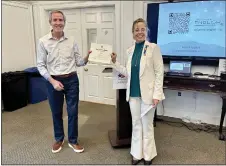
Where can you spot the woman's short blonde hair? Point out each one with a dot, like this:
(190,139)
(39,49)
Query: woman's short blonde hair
(137,21)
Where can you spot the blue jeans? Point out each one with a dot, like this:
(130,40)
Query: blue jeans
(56,101)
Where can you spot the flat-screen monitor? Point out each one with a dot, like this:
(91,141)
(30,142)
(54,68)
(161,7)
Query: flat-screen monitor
(180,67)
(188,29)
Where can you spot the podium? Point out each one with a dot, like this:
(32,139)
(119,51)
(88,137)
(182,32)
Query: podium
(122,135)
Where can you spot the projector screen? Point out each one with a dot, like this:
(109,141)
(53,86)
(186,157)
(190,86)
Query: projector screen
(190,28)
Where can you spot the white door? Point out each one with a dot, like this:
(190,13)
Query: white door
(98,27)
(73,28)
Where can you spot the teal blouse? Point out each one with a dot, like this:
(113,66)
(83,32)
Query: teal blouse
(135,70)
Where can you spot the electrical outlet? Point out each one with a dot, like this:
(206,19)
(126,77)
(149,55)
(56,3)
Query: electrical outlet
(179,93)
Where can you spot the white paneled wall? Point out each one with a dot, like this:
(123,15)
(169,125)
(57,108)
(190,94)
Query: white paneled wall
(18,49)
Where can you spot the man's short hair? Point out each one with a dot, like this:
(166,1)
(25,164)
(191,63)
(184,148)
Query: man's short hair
(56,11)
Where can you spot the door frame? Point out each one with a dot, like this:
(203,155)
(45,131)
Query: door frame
(42,14)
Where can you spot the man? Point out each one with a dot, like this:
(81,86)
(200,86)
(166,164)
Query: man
(57,58)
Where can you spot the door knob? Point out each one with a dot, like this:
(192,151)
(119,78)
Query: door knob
(85,69)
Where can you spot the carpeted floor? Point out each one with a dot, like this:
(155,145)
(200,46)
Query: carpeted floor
(27,137)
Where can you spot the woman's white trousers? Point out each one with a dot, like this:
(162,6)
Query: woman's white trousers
(143,141)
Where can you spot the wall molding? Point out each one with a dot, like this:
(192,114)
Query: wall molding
(17,4)
(203,118)
(51,2)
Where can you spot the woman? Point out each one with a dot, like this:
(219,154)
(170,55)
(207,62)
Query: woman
(145,72)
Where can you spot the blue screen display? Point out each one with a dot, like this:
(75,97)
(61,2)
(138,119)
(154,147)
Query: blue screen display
(189,28)
(177,66)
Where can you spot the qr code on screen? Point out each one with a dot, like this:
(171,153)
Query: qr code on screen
(179,23)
